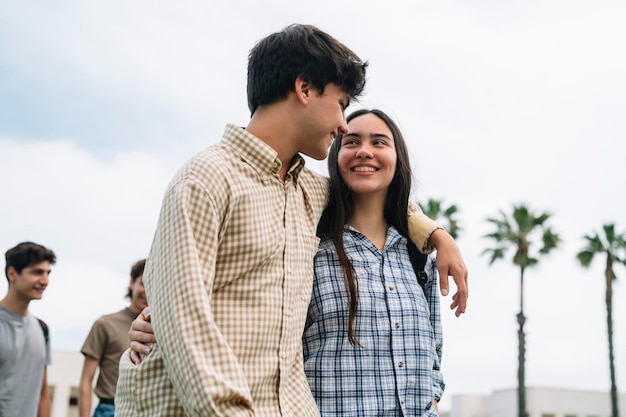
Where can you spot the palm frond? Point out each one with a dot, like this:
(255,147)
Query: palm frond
(517,230)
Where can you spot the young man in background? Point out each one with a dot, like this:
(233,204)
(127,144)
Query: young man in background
(24,341)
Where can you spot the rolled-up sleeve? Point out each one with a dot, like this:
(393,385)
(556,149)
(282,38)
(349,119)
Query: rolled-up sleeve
(420,228)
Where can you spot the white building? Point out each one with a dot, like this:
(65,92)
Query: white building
(540,402)
(63,379)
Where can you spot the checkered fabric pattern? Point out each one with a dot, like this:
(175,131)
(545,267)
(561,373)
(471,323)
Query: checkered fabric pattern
(228,280)
(397,371)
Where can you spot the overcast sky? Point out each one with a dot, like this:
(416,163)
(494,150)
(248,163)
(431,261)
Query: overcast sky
(501,102)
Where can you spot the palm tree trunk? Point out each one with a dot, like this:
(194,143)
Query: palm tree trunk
(521,319)
(610,276)
(609,323)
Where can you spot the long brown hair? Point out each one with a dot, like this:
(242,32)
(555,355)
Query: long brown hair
(341,206)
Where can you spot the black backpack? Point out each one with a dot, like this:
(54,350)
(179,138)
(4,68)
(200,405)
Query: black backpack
(44,329)
(418,260)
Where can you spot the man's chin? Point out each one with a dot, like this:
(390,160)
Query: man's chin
(317,155)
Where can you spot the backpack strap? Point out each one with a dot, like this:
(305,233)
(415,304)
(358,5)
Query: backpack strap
(418,260)
(44,328)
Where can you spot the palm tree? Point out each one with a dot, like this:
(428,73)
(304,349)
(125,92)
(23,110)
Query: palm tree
(612,245)
(436,211)
(520,232)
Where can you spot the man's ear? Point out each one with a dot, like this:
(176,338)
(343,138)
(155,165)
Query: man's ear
(303,89)
(12,274)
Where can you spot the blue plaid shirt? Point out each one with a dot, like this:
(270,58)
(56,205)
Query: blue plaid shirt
(397,371)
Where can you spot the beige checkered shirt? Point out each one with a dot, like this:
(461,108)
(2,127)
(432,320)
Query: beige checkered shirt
(229,280)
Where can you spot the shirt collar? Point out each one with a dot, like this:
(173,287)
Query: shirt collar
(393,236)
(258,154)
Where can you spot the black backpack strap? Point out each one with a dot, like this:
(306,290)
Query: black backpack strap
(418,260)
(44,328)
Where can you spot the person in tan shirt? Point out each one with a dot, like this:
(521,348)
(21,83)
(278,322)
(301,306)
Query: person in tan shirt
(105,343)
(230,270)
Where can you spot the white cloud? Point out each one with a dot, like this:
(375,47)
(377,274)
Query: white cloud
(98,217)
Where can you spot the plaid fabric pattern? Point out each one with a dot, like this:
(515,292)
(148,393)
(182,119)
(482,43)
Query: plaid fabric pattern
(397,371)
(228,279)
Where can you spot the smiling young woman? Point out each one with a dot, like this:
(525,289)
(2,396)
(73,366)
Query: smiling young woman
(380,355)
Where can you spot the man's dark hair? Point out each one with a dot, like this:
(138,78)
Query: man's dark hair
(135,272)
(26,254)
(301,51)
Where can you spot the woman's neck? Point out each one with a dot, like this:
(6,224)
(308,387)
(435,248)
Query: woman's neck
(368,218)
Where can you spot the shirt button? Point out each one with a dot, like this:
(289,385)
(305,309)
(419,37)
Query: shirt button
(397,325)
(283,355)
(391,288)
(289,270)
(288,313)
(400,364)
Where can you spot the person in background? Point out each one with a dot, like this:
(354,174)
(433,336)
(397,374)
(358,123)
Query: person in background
(24,339)
(105,343)
(373,338)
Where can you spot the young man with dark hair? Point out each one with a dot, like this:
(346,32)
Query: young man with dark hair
(24,341)
(230,270)
(105,343)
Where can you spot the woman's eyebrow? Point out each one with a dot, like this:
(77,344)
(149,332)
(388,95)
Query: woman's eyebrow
(371,135)
(380,135)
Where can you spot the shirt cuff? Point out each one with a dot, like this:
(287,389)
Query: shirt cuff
(420,228)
